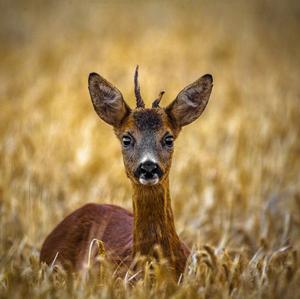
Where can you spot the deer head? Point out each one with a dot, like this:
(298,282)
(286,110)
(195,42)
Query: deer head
(147,135)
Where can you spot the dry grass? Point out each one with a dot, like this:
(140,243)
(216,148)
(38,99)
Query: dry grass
(236,172)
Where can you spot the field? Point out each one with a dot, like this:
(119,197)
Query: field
(235,179)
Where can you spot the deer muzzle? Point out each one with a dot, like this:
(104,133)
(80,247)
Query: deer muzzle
(148,173)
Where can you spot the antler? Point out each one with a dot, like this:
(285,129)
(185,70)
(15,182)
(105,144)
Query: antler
(155,104)
(139,100)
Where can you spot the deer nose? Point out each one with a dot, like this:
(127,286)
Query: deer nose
(148,170)
(148,167)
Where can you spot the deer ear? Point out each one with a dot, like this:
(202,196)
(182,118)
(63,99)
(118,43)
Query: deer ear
(191,101)
(107,100)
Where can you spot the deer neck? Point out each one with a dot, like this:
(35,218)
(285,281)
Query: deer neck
(154,225)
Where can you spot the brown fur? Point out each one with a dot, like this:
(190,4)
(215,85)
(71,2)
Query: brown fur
(72,237)
(154,225)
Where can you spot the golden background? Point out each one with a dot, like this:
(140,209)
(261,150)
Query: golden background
(235,180)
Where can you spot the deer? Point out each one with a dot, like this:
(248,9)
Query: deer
(147,137)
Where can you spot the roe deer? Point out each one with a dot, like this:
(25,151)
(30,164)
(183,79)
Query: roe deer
(147,139)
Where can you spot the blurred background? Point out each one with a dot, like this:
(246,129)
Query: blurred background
(235,179)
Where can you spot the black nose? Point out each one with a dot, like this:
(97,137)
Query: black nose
(148,166)
(148,170)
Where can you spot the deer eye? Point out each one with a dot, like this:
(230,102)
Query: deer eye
(127,140)
(169,140)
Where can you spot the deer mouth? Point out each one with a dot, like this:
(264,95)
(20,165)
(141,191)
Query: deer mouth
(149,180)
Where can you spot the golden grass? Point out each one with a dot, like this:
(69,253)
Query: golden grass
(236,172)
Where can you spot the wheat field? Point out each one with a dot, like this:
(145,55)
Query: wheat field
(235,180)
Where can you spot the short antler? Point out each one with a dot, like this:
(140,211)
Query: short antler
(139,100)
(155,104)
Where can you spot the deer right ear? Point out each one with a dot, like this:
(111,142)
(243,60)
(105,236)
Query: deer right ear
(191,101)
(107,100)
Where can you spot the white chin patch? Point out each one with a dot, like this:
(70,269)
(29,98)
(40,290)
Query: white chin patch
(150,182)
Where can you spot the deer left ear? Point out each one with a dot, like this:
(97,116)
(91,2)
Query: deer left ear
(107,100)
(191,101)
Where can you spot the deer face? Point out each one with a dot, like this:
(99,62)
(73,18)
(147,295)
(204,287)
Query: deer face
(147,135)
